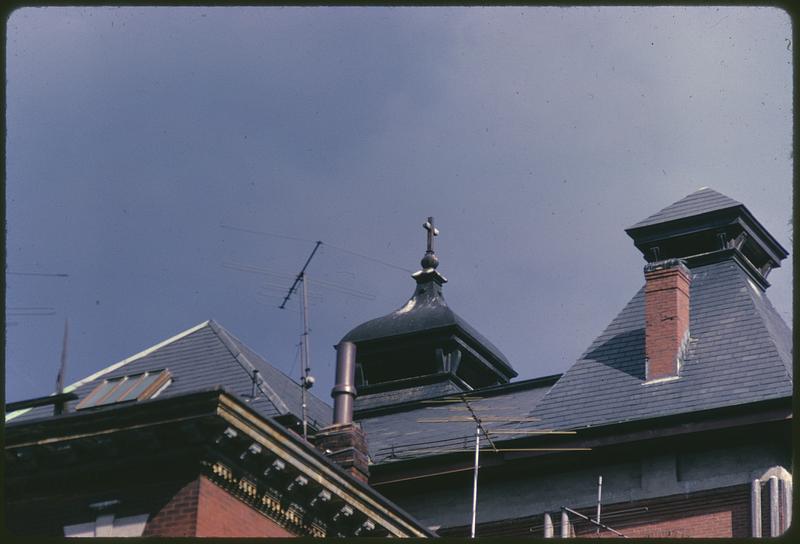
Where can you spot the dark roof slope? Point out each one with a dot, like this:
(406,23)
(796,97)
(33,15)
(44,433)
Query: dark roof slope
(204,357)
(701,201)
(425,311)
(739,352)
(403,432)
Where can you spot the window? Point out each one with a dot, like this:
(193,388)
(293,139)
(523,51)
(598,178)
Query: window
(108,525)
(127,388)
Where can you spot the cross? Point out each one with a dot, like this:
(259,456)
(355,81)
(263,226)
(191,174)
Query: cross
(432,231)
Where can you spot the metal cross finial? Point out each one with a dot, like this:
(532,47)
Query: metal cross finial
(432,231)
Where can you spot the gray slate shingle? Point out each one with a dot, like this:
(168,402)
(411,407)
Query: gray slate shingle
(739,352)
(403,433)
(208,357)
(701,201)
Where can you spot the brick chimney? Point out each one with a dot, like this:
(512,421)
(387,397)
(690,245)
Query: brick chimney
(344,441)
(345,445)
(666,303)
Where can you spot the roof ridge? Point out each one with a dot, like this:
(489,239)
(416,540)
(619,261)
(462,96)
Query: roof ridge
(121,363)
(229,341)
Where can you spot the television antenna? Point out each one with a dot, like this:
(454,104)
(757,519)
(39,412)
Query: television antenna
(626,512)
(306,379)
(301,278)
(45,274)
(592,521)
(275,279)
(481,421)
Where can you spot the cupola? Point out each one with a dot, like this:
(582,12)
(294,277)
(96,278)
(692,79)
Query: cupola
(423,348)
(707,225)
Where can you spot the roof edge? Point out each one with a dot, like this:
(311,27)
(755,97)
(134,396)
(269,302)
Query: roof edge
(227,340)
(120,364)
(492,390)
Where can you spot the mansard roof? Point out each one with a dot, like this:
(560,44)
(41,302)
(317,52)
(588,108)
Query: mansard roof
(203,357)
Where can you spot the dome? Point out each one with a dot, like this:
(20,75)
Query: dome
(425,312)
(424,342)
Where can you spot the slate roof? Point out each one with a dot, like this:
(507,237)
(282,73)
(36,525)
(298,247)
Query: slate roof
(406,394)
(425,311)
(401,432)
(203,357)
(740,352)
(701,201)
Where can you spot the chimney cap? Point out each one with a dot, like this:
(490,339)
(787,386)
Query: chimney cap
(666,264)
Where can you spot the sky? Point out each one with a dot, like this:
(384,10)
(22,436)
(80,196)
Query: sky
(166,166)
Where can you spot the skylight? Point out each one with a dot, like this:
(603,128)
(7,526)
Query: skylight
(127,388)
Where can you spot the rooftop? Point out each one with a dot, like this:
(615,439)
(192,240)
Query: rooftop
(739,353)
(202,357)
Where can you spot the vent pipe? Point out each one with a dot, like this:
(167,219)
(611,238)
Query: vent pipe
(344,391)
(344,442)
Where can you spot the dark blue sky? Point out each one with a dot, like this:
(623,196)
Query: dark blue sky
(534,136)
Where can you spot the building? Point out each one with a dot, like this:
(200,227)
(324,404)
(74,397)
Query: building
(682,406)
(196,436)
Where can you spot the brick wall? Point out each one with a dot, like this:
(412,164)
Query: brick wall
(201,508)
(725,523)
(721,512)
(221,514)
(347,445)
(186,507)
(178,517)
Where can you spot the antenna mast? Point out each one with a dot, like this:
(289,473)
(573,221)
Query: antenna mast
(306,380)
(59,407)
(481,428)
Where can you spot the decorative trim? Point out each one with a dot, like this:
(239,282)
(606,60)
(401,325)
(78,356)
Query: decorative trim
(266,503)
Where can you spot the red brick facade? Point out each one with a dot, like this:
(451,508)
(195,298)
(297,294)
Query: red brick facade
(721,513)
(201,508)
(666,318)
(708,514)
(178,517)
(221,514)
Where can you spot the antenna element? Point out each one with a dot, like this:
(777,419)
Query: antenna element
(306,380)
